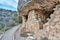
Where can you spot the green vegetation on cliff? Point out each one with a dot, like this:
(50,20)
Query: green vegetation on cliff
(8,19)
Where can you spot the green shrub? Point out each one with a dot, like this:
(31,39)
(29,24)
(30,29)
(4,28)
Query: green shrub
(1,26)
(5,29)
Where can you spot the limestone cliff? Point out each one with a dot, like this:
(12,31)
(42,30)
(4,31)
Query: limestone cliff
(40,24)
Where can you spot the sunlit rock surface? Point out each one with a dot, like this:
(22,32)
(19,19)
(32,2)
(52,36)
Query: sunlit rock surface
(51,29)
(32,24)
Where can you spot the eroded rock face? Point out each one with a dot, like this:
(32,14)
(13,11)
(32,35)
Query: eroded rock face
(47,5)
(54,24)
(32,24)
(51,29)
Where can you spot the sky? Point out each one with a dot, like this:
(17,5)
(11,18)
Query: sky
(9,4)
